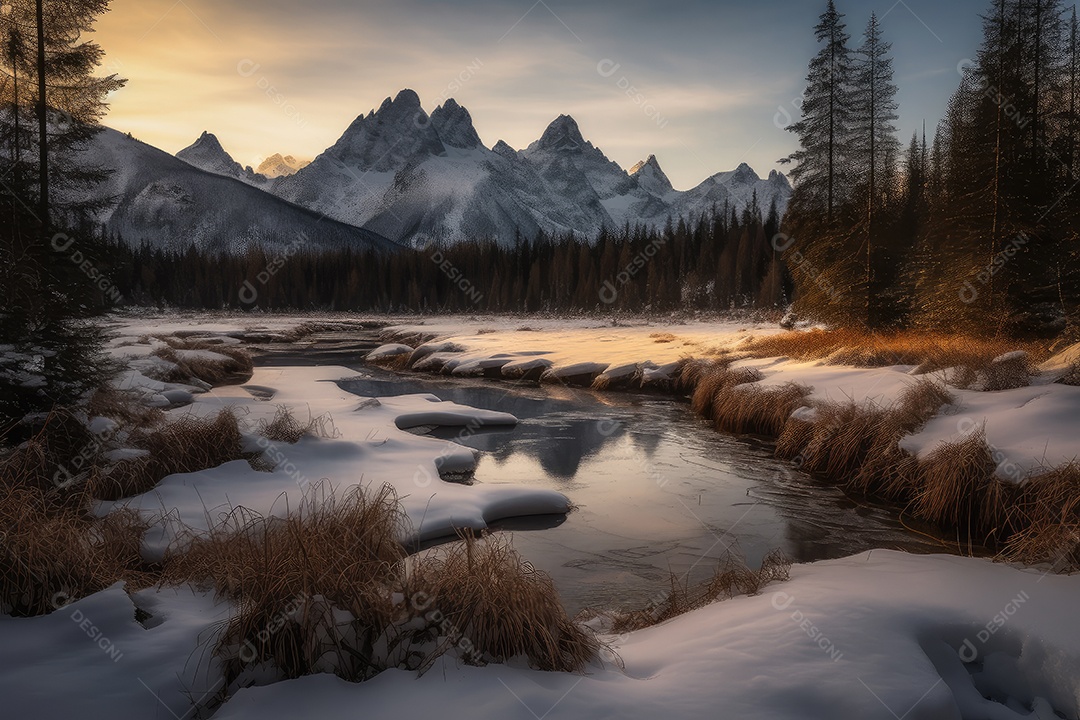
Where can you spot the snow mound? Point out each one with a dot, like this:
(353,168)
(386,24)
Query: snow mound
(371,449)
(860,638)
(384,352)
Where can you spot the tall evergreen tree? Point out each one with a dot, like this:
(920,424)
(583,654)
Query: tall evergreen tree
(819,219)
(823,130)
(48,75)
(874,113)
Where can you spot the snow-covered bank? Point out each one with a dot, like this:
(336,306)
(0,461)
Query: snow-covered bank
(879,635)
(92,659)
(1029,428)
(370,447)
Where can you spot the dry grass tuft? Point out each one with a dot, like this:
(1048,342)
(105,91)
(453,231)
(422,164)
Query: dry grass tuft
(732,578)
(502,605)
(285,428)
(1047,513)
(393,362)
(235,368)
(287,575)
(188,444)
(960,489)
(123,407)
(718,378)
(49,559)
(1072,376)
(756,410)
(686,380)
(1012,370)
(328,588)
(53,549)
(663,337)
(306,329)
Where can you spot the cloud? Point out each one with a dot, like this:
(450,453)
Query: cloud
(708,75)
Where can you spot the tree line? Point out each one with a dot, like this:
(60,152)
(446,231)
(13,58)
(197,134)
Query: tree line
(722,259)
(977,230)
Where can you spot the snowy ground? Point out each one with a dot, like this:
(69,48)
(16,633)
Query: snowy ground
(1030,429)
(878,635)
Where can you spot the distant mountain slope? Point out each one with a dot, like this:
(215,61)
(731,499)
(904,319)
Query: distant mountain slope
(170,203)
(419,178)
(207,154)
(277,165)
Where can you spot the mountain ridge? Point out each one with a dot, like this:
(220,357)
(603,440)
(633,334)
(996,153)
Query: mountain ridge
(419,179)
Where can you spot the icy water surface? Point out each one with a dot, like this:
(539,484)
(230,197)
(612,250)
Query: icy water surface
(656,490)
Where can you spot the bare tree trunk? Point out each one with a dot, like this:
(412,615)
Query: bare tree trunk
(873,176)
(997,151)
(1072,92)
(43,125)
(832,123)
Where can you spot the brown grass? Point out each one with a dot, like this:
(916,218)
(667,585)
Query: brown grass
(502,605)
(49,559)
(123,407)
(1072,376)
(1047,513)
(235,369)
(686,380)
(857,445)
(285,428)
(188,444)
(393,362)
(756,410)
(927,350)
(329,589)
(663,337)
(731,579)
(960,490)
(716,379)
(53,549)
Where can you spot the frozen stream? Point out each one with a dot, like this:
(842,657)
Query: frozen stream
(657,491)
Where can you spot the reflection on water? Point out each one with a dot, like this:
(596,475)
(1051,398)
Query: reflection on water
(656,491)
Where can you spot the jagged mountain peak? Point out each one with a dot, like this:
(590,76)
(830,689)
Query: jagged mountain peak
(503,148)
(650,161)
(206,147)
(208,140)
(562,134)
(414,178)
(779,179)
(207,153)
(744,175)
(277,165)
(386,139)
(455,126)
(406,99)
(651,177)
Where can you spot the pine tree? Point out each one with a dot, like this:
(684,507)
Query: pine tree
(47,295)
(819,220)
(874,112)
(825,125)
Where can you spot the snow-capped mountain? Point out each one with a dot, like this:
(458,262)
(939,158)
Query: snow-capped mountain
(170,203)
(207,154)
(278,165)
(419,178)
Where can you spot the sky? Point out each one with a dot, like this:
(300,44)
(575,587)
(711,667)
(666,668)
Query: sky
(702,84)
